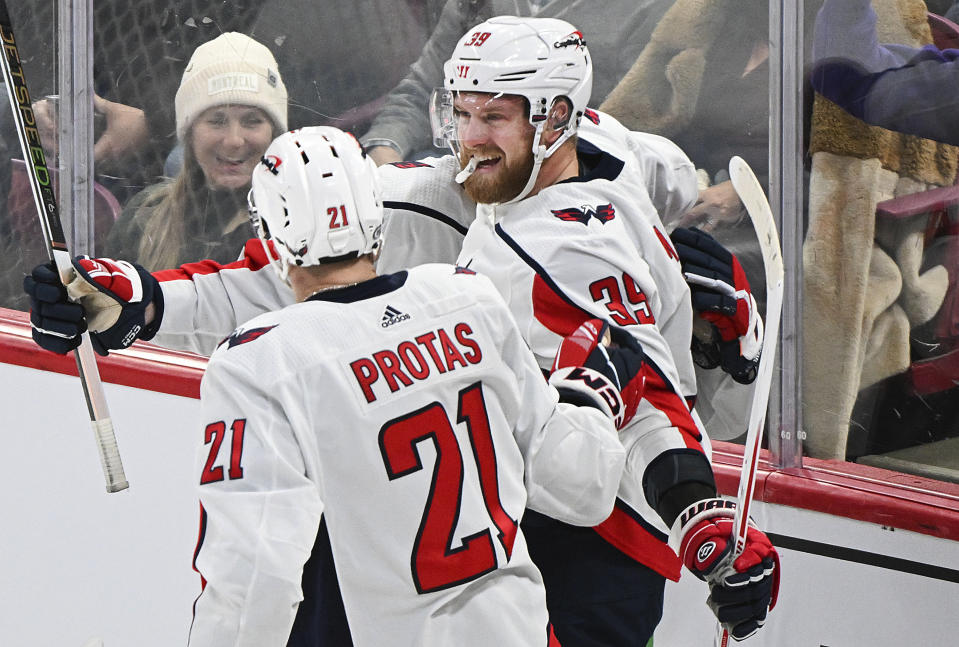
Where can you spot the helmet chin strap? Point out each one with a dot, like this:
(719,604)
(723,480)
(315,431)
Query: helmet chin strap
(278,265)
(540,153)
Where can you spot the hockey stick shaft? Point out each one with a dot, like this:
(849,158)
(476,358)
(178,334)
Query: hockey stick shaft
(55,241)
(753,197)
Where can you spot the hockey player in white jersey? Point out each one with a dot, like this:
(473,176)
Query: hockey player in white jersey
(403,408)
(637,528)
(565,235)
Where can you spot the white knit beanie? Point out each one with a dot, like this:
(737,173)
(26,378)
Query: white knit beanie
(232,68)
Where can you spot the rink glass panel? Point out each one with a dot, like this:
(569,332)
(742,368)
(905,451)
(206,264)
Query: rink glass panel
(880,317)
(338,70)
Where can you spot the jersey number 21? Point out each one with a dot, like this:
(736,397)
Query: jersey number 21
(437,565)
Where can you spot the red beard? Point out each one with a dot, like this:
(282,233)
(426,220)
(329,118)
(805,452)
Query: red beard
(501,185)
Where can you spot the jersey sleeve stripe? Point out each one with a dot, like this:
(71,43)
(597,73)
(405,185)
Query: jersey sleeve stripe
(660,393)
(196,553)
(630,534)
(425,211)
(253,258)
(199,543)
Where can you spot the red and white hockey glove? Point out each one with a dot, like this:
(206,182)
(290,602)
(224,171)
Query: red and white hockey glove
(721,295)
(600,365)
(115,296)
(741,590)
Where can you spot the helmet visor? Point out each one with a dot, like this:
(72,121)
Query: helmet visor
(442,120)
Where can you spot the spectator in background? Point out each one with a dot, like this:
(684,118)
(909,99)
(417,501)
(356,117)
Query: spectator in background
(230,105)
(733,111)
(615,31)
(139,50)
(907,89)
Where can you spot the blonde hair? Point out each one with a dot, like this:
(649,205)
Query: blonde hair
(169,202)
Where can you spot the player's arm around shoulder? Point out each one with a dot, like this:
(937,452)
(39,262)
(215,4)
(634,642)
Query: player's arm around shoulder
(669,174)
(259,511)
(425,213)
(204,301)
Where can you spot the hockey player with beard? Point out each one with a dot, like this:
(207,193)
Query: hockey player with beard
(569,236)
(376,430)
(567,233)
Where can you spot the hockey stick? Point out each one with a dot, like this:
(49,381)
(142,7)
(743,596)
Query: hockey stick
(43,197)
(753,197)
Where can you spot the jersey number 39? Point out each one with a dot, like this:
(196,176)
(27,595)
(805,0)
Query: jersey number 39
(436,564)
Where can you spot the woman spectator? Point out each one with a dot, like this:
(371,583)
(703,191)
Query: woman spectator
(230,105)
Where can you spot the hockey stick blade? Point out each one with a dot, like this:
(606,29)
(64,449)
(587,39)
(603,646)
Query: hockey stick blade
(753,197)
(45,202)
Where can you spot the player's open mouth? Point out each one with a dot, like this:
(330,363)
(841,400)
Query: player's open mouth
(486,163)
(477,163)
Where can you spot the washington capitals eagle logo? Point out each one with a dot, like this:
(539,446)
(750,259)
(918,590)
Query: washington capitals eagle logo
(244,336)
(272,162)
(573,39)
(603,213)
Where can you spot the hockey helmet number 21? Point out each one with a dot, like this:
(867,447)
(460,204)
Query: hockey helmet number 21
(315,196)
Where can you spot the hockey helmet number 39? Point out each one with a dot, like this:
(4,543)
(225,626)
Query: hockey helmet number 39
(540,59)
(315,196)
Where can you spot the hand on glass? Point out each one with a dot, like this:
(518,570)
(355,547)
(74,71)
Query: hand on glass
(718,206)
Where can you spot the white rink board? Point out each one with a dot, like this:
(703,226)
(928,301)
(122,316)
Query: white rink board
(79,563)
(828,601)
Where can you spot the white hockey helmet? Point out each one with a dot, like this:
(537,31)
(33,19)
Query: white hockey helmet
(540,59)
(315,196)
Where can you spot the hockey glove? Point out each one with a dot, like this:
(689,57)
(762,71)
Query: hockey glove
(721,295)
(115,296)
(56,321)
(600,365)
(741,590)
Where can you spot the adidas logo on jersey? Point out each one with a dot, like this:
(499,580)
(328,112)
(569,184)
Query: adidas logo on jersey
(393,316)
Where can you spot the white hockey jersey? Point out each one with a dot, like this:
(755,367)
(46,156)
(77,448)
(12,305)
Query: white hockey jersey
(586,248)
(409,412)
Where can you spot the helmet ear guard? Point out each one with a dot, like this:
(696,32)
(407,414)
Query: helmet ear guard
(315,196)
